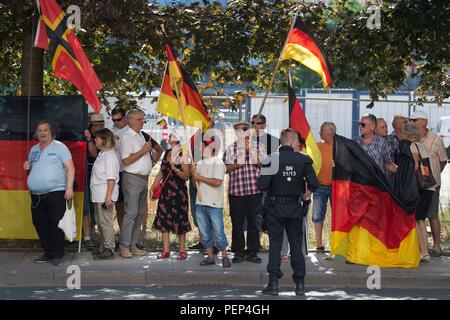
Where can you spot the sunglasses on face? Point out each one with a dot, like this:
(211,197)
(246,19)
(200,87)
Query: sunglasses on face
(362,124)
(253,123)
(241,129)
(413,120)
(117,120)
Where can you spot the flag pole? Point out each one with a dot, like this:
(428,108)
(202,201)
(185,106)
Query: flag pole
(277,66)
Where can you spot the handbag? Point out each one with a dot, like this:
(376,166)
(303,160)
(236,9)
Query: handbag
(68,222)
(424,174)
(156,193)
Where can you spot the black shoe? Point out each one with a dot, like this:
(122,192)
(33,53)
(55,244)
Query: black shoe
(43,259)
(300,287)
(238,258)
(106,254)
(254,259)
(140,246)
(117,248)
(271,288)
(57,261)
(198,246)
(89,244)
(207,262)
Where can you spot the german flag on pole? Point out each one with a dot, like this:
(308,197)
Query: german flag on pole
(302,47)
(370,225)
(193,108)
(298,122)
(69,61)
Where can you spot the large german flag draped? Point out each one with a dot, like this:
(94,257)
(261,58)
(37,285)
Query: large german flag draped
(192,106)
(370,224)
(69,114)
(69,61)
(302,47)
(298,122)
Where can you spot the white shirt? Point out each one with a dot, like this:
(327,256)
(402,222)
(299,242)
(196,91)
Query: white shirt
(106,167)
(119,134)
(211,168)
(130,143)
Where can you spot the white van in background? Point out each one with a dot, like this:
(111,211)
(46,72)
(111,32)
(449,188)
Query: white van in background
(443,130)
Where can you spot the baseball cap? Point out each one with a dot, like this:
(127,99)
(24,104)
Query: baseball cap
(419,115)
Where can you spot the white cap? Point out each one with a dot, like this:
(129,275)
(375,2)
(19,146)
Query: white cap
(221,115)
(419,115)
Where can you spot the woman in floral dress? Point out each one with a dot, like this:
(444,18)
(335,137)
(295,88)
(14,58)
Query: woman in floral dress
(172,212)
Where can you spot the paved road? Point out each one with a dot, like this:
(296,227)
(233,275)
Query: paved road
(213,293)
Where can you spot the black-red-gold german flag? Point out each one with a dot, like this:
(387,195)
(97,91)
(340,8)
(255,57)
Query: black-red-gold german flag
(370,224)
(176,80)
(69,61)
(302,47)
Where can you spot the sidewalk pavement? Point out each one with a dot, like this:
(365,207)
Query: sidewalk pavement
(18,269)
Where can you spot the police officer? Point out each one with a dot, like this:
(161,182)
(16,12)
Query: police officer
(285,207)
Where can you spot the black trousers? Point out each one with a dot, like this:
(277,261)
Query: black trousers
(242,207)
(47,209)
(294,231)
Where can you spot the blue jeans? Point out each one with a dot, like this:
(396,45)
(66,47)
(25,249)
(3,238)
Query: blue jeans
(320,198)
(210,223)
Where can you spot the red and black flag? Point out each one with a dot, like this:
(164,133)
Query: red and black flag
(302,47)
(370,223)
(69,61)
(177,82)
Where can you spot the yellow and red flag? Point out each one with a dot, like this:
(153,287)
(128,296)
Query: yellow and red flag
(302,47)
(370,224)
(69,61)
(177,81)
(298,122)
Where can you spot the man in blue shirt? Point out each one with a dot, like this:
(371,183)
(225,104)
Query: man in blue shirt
(50,180)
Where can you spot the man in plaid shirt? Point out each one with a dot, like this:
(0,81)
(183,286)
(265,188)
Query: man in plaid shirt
(376,147)
(242,160)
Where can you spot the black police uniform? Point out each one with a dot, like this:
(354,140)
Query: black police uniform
(285,211)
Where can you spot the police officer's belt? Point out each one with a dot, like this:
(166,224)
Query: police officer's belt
(287,199)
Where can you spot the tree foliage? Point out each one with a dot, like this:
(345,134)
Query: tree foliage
(241,42)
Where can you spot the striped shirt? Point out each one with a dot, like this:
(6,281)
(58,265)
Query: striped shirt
(243,180)
(437,152)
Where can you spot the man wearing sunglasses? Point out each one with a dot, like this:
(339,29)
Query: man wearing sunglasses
(376,147)
(242,160)
(120,126)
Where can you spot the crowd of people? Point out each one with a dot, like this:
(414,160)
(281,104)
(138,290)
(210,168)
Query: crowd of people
(120,162)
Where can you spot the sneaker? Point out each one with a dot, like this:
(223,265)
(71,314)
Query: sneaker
(89,244)
(138,252)
(42,259)
(198,246)
(106,254)
(140,246)
(125,253)
(57,261)
(226,262)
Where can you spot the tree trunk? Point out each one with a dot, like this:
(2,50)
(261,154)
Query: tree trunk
(31,78)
